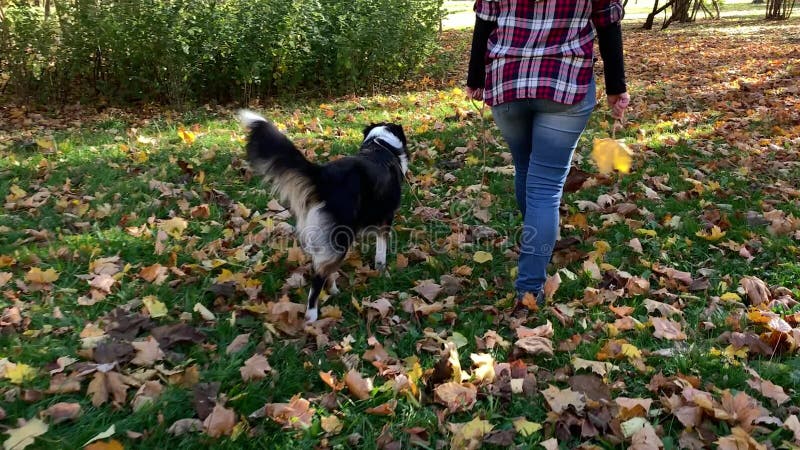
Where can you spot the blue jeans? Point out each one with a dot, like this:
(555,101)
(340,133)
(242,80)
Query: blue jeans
(542,136)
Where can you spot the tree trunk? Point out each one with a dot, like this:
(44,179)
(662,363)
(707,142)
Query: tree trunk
(648,24)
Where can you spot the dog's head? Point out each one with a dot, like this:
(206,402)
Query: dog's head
(381,129)
(391,134)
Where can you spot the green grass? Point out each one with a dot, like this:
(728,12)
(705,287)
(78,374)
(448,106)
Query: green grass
(103,182)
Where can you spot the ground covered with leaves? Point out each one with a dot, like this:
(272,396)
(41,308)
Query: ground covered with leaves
(153,293)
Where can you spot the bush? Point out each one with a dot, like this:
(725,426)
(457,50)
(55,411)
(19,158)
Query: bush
(178,50)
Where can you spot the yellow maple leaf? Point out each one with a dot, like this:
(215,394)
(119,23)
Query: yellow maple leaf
(174,227)
(154,306)
(186,136)
(18,373)
(37,275)
(631,351)
(610,155)
(526,428)
(730,297)
(715,234)
(15,193)
(481,257)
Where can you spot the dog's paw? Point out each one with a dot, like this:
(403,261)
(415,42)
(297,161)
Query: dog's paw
(312,315)
(380,267)
(333,290)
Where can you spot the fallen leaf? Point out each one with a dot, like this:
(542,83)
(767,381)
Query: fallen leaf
(147,352)
(667,329)
(561,399)
(183,426)
(20,373)
(428,289)
(358,386)
(470,434)
(384,409)
(37,275)
(155,308)
(62,411)
(204,312)
(295,414)
(482,257)
(19,438)
(105,384)
(456,396)
(238,343)
(535,345)
(769,389)
(113,444)
(526,428)
(102,435)
(220,422)
(255,368)
(331,424)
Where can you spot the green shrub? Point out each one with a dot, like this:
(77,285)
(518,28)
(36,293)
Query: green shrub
(178,50)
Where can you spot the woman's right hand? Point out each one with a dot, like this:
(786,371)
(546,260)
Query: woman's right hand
(618,104)
(475,93)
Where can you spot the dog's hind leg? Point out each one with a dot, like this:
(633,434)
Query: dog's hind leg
(330,286)
(322,272)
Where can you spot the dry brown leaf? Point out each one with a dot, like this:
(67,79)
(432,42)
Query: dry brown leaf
(358,386)
(147,352)
(108,384)
(551,285)
(62,411)
(295,414)
(331,424)
(637,286)
(147,394)
(793,424)
(238,343)
(220,422)
(112,444)
(646,439)
(739,439)
(384,409)
(255,368)
(535,345)
(560,400)
(769,389)
(756,290)
(633,407)
(428,289)
(183,426)
(456,396)
(667,329)
(155,274)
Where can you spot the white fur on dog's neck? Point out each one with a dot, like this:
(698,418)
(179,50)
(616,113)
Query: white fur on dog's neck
(385,135)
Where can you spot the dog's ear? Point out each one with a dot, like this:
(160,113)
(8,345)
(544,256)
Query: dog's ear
(397,130)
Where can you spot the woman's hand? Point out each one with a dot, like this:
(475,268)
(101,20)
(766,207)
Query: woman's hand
(618,103)
(475,93)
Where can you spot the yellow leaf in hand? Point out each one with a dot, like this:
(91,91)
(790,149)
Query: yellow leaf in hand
(611,155)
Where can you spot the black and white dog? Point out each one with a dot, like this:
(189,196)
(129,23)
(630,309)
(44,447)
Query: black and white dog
(334,202)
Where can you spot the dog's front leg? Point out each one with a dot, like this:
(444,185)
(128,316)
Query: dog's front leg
(380,250)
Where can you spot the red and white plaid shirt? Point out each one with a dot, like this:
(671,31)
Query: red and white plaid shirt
(542,48)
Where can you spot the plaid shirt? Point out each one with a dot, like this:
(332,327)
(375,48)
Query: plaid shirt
(542,48)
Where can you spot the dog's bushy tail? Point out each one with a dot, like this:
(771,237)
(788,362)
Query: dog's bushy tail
(272,155)
(269,151)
